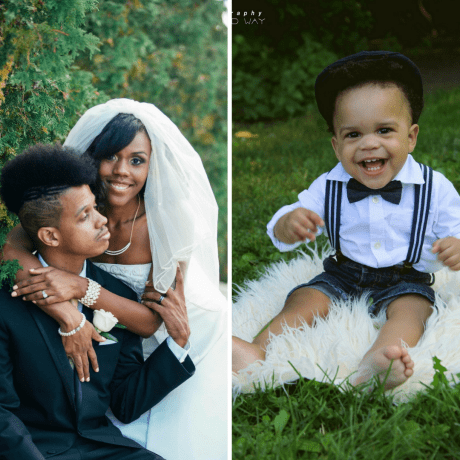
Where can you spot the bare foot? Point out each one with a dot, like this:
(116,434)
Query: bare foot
(377,363)
(245,353)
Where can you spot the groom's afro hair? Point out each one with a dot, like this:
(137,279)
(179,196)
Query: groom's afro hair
(44,172)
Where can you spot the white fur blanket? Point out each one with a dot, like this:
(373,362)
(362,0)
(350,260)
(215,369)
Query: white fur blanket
(333,348)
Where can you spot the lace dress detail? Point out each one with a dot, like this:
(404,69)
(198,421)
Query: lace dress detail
(133,276)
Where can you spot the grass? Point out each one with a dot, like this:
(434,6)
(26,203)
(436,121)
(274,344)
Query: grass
(309,419)
(314,420)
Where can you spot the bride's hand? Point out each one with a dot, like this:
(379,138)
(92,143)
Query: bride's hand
(58,285)
(172,309)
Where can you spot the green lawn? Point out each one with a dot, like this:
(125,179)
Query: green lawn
(316,420)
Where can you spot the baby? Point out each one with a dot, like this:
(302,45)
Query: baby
(392,221)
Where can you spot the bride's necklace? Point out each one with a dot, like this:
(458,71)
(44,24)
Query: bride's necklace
(122,250)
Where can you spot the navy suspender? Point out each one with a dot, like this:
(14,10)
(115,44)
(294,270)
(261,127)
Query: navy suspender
(420,219)
(332,209)
(422,201)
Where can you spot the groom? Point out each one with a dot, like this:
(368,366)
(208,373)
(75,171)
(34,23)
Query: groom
(44,409)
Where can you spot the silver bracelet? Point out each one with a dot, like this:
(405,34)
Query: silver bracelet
(67,334)
(92,293)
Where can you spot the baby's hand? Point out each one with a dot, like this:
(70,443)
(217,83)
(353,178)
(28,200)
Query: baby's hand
(298,225)
(448,250)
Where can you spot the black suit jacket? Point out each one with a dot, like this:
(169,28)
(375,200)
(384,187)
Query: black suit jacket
(43,405)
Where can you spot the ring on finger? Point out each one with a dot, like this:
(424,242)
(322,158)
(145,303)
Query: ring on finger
(45,295)
(160,299)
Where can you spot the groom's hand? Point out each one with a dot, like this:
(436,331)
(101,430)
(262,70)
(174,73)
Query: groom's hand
(79,346)
(172,309)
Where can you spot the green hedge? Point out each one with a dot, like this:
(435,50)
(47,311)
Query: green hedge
(267,85)
(275,64)
(58,58)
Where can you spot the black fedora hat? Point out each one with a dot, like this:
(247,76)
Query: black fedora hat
(368,66)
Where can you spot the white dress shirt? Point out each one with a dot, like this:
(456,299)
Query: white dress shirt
(179,352)
(375,232)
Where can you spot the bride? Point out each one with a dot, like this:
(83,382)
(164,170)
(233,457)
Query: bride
(161,212)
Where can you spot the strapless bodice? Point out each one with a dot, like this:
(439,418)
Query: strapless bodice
(133,276)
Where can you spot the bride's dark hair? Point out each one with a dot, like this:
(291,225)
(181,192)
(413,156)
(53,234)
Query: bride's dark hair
(118,133)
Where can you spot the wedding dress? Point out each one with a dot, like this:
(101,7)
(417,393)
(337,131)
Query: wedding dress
(185,425)
(192,422)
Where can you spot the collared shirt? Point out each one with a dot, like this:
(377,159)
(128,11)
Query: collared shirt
(373,231)
(179,352)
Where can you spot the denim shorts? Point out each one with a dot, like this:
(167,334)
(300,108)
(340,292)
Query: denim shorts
(348,279)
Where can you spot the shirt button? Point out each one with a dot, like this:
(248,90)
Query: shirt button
(377,245)
(375,199)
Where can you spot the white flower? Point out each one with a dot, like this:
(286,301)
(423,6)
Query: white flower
(104,320)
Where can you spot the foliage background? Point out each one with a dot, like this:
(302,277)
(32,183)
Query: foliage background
(276,60)
(60,57)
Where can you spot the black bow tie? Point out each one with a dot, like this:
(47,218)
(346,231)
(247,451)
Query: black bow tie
(357,191)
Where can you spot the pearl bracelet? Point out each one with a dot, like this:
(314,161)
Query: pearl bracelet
(92,293)
(67,334)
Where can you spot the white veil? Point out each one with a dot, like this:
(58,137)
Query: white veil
(179,203)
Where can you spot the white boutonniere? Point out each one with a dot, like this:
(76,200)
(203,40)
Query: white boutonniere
(104,321)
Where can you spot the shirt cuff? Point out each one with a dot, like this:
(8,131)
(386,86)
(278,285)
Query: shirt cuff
(179,352)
